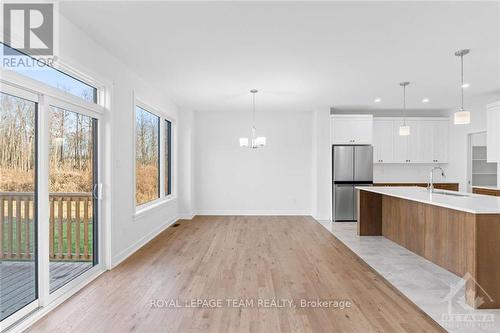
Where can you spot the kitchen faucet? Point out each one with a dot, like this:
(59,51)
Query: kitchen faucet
(430,185)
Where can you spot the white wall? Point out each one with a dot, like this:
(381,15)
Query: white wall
(322,172)
(274,180)
(186,162)
(407,173)
(127,232)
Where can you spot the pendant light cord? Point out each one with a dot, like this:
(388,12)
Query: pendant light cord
(404,105)
(253,117)
(462,80)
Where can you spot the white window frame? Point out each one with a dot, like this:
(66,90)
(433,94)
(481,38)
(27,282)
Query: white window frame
(163,199)
(19,85)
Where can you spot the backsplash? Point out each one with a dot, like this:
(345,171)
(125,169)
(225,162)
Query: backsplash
(405,173)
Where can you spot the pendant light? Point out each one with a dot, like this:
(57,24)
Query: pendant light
(405,129)
(257,142)
(462,117)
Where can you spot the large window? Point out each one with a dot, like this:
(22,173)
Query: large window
(30,67)
(147,151)
(168,157)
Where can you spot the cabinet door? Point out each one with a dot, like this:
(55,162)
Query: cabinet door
(352,130)
(415,148)
(493,133)
(363,131)
(342,131)
(383,141)
(440,141)
(424,145)
(400,143)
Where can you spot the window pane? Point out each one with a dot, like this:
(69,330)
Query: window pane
(168,157)
(147,161)
(17,203)
(71,182)
(25,65)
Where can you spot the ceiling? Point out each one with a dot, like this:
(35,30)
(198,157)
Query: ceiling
(302,55)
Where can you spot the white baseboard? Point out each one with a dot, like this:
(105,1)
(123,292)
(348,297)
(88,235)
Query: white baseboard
(322,218)
(255,212)
(120,257)
(186,216)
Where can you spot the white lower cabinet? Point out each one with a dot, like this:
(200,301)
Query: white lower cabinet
(427,142)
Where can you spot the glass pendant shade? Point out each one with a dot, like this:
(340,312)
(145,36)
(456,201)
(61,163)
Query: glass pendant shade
(260,141)
(243,142)
(404,130)
(461,117)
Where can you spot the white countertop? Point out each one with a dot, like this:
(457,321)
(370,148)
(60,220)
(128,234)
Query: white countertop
(472,203)
(415,182)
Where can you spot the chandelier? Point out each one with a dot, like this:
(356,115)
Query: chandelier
(256,141)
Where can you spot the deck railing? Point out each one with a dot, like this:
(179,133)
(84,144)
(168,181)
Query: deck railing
(70,226)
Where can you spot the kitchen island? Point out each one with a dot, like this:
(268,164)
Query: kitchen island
(457,231)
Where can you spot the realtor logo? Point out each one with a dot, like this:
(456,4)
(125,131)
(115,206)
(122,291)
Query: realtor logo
(29,28)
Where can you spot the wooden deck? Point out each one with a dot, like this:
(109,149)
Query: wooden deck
(17,281)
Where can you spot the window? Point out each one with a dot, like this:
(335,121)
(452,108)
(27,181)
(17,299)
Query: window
(168,157)
(147,162)
(36,70)
(72,179)
(18,215)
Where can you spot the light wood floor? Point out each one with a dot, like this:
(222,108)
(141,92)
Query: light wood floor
(239,257)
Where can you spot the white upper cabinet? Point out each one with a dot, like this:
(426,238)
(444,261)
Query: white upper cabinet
(493,132)
(400,143)
(383,138)
(351,129)
(427,142)
(440,141)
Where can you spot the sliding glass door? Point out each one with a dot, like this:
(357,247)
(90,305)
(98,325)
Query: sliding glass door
(18,201)
(73,192)
(49,197)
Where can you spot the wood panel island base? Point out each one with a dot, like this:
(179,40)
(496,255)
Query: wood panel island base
(459,233)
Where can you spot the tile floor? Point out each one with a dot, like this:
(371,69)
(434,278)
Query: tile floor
(433,289)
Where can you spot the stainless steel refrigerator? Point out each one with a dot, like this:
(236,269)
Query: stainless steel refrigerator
(352,166)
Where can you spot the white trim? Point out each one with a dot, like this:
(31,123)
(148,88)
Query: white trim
(43,172)
(412,118)
(21,314)
(163,198)
(187,216)
(82,278)
(365,116)
(17,91)
(82,281)
(150,207)
(38,87)
(243,212)
(321,218)
(123,255)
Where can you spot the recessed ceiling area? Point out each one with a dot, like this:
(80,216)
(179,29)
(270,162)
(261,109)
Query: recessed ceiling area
(301,55)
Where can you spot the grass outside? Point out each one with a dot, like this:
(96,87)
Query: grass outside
(64,243)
